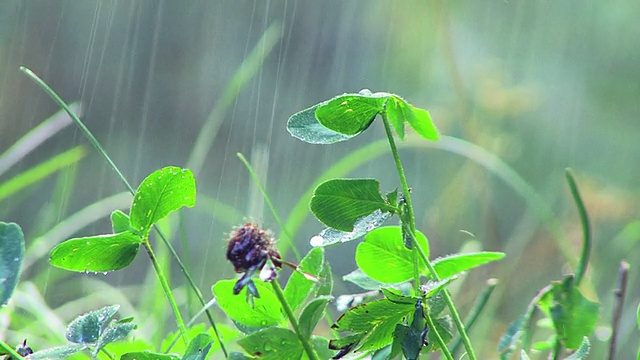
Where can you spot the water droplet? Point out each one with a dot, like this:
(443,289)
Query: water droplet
(316,241)
(105,273)
(16,259)
(88,242)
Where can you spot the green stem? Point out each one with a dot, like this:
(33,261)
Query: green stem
(294,322)
(107,354)
(102,152)
(581,269)
(475,311)
(10,351)
(439,340)
(412,228)
(167,290)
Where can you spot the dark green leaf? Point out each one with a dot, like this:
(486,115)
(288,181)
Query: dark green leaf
(299,287)
(266,311)
(273,343)
(304,126)
(395,115)
(339,203)
(350,114)
(87,328)
(383,256)
(454,264)
(234,355)
(574,317)
(582,352)
(116,331)
(58,352)
(444,325)
(415,335)
(96,253)
(198,347)
(312,313)
(11,257)
(161,193)
(147,355)
(397,297)
(325,282)
(362,226)
(119,221)
(509,341)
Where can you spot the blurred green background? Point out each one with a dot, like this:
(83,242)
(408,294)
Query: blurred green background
(543,85)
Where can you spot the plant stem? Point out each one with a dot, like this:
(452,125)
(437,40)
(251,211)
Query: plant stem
(167,290)
(443,346)
(102,152)
(306,344)
(619,293)
(586,227)
(480,303)
(412,227)
(9,350)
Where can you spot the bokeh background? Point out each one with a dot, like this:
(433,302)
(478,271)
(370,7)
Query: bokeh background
(542,85)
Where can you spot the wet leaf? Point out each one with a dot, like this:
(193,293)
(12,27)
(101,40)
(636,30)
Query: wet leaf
(339,203)
(114,332)
(119,221)
(350,114)
(266,311)
(11,257)
(273,343)
(147,355)
(161,193)
(383,257)
(454,264)
(298,287)
(199,347)
(100,253)
(58,352)
(304,126)
(362,226)
(87,328)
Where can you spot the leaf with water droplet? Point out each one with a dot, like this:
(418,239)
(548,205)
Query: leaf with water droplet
(96,253)
(266,311)
(273,343)
(87,328)
(199,347)
(115,331)
(11,257)
(58,352)
(161,193)
(147,355)
(361,227)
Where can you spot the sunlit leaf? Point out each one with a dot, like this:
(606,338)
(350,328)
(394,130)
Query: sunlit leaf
(148,355)
(119,221)
(395,115)
(87,328)
(266,311)
(420,121)
(164,191)
(362,226)
(304,126)
(273,343)
(198,347)
(100,253)
(299,287)
(11,257)
(312,313)
(383,256)
(350,114)
(339,203)
(454,264)
(582,352)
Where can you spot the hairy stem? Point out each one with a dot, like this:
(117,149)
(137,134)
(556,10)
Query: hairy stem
(412,228)
(306,344)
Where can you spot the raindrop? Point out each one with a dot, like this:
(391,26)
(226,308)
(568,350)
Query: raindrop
(105,273)
(16,259)
(88,243)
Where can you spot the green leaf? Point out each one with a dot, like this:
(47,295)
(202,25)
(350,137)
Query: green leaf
(444,325)
(523,355)
(574,317)
(361,227)
(350,114)
(119,221)
(304,126)
(299,287)
(395,115)
(234,355)
(147,355)
(161,193)
(199,347)
(325,282)
(321,345)
(58,352)
(11,257)
(454,264)
(87,328)
(419,120)
(415,335)
(273,343)
(361,279)
(116,331)
(582,352)
(339,203)
(375,320)
(509,341)
(96,253)
(396,296)
(312,313)
(266,311)
(383,257)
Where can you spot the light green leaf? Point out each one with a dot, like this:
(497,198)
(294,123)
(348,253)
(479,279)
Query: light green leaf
(420,121)
(11,257)
(395,115)
(100,253)
(454,264)
(350,114)
(161,193)
(273,343)
(147,355)
(312,313)
(199,347)
(299,287)
(383,257)
(119,221)
(266,311)
(339,203)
